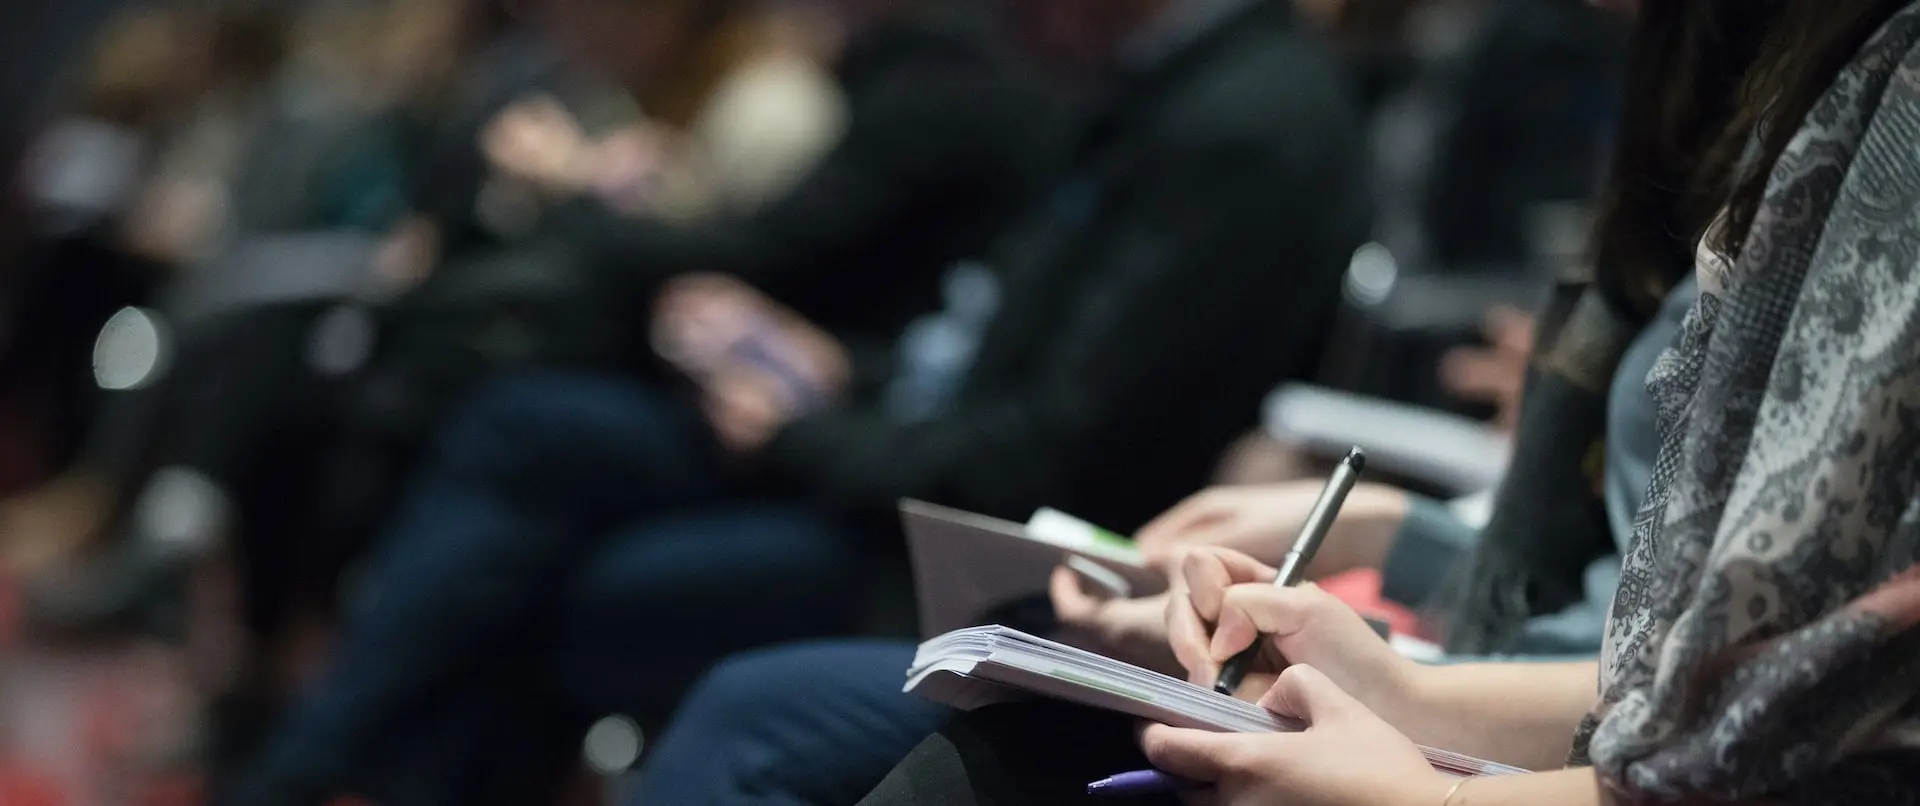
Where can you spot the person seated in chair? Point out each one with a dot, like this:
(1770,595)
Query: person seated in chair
(1211,204)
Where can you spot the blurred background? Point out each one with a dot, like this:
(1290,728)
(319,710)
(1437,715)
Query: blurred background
(253,249)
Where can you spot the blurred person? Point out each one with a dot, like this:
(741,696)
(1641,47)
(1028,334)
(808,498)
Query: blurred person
(1760,644)
(97,178)
(276,126)
(246,401)
(731,113)
(1481,146)
(78,169)
(1527,112)
(559,510)
(281,126)
(945,142)
(676,110)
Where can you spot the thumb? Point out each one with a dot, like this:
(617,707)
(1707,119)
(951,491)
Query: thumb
(1072,604)
(1302,692)
(1193,754)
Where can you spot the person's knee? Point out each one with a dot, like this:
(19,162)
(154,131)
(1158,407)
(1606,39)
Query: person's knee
(743,687)
(500,423)
(758,697)
(774,726)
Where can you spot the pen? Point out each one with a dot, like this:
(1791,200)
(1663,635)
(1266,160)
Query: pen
(1140,782)
(1319,521)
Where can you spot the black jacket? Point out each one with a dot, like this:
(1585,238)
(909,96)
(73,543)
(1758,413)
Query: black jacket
(946,141)
(1188,262)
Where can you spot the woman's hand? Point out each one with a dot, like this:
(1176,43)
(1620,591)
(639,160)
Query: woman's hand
(1262,520)
(1224,601)
(1132,630)
(1346,756)
(1246,518)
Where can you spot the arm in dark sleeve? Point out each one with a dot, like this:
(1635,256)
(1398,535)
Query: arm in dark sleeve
(922,131)
(920,138)
(1174,277)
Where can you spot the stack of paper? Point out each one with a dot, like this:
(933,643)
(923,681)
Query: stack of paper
(985,665)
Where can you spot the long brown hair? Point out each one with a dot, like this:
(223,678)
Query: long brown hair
(1716,91)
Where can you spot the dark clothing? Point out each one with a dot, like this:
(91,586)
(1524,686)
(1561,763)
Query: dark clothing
(602,488)
(448,167)
(1015,755)
(806,725)
(71,288)
(1532,104)
(1190,261)
(1187,264)
(41,41)
(946,143)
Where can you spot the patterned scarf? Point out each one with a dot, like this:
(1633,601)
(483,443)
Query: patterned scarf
(1763,643)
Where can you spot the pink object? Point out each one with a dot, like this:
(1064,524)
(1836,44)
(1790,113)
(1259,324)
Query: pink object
(23,786)
(1361,591)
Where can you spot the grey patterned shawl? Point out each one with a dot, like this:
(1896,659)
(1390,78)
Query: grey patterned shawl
(1763,644)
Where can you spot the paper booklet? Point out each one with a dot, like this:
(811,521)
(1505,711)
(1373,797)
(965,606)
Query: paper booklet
(981,666)
(970,569)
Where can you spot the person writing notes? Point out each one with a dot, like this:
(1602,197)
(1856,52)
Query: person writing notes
(1761,646)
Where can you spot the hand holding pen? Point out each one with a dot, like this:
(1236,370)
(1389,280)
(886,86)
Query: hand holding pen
(1294,567)
(1229,604)
(1234,607)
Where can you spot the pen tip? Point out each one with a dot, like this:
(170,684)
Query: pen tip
(1357,458)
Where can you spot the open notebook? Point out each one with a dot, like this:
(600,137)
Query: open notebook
(981,666)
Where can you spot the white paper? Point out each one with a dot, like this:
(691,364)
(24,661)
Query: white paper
(980,666)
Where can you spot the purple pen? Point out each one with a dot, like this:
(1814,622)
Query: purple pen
(1140,782)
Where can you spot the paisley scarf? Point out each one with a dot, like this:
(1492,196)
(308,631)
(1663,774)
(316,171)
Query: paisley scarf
(1763,642)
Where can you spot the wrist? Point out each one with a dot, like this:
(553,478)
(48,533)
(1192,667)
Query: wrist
(1453,794)
(1434,789)
(1406,696)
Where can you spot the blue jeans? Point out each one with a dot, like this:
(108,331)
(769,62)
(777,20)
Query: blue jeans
(817,724)
(564,522)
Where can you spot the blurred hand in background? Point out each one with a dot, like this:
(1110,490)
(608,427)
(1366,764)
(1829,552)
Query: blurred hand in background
(1497,373)
(537,141)
(759,364)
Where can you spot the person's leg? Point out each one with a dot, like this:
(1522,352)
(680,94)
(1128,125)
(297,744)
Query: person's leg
(657,603)
(502,734)
(499,740)
(523,479)
(807,725)
(1022,754)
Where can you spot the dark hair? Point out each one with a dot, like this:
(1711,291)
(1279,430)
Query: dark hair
(1716,91)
